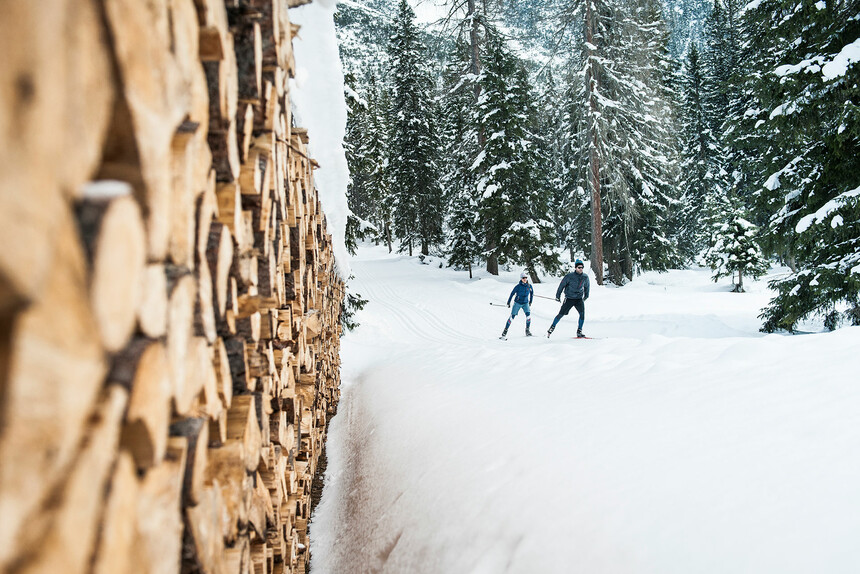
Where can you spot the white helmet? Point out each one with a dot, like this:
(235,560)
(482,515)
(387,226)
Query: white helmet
(524,274)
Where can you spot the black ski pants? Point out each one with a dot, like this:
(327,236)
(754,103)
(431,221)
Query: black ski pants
(565,309)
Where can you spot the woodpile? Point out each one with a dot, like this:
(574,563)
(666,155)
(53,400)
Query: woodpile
(169,307)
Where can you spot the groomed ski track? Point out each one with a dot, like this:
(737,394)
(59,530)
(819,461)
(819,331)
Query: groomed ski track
(679,439)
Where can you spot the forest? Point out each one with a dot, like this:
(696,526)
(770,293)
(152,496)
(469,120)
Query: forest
(639,135)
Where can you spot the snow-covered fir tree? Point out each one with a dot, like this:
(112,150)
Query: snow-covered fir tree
(701,165)
(413,145)
(626,134)
(735,251)
(514,202)
(805,91)
(460,137)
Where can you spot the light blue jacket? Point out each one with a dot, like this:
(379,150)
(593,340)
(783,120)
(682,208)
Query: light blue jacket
(524,293)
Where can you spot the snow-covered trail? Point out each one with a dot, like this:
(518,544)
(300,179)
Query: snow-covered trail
(682,441)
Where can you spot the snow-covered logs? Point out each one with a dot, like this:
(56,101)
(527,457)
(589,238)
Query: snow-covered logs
(169,311)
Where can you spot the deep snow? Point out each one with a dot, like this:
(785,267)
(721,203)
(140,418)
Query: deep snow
(683,440)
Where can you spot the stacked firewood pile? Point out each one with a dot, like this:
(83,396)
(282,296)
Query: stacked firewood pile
(169,307)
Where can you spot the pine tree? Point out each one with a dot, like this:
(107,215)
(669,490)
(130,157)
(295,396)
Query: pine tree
(700,166)
(626,135)
(804,116)
(461,147)
(735,249)
(513,206)
(413,162)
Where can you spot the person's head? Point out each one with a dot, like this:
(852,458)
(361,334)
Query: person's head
(579,266)
(524,277)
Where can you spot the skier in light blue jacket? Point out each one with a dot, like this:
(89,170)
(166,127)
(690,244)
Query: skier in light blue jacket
(523,295)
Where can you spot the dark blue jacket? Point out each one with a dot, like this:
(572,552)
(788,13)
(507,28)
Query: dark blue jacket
(575,286)
(524,292)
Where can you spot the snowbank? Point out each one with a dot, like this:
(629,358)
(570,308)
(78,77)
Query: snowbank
(681,441)
(317,96)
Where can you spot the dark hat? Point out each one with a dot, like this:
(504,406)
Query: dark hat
(578,263)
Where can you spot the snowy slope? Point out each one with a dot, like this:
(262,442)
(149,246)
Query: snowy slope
(682,441)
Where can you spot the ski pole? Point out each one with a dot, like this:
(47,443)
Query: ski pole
(497,304)
(542,297)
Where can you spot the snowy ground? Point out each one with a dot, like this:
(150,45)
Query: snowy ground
(681,441)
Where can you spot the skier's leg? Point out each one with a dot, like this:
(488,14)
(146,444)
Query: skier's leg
(580,307)
(528,313)
(565,309)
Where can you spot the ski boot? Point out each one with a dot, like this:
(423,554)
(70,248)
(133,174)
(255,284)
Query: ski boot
(580,334)
(550,330)
(504,334)
(528,333)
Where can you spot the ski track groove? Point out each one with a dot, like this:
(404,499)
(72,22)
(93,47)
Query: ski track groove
(422,323)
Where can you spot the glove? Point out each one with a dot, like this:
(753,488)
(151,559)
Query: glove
(509,305)
(558,299)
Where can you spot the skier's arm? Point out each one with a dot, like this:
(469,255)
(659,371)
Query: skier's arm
(531,294)
(586,288)
(512,295)
(561,287)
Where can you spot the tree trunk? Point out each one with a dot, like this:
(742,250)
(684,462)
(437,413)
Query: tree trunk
(591,85)
(388,236)
(492,257)
(739,288)
(475,53)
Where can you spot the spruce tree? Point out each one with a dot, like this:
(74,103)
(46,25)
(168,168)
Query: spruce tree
(513,205)
(460,143)
(413,161)
(701,160)
(626,135)
(735,249)
(804,115)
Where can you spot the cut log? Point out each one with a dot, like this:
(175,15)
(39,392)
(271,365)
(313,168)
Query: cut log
(56,90)
(152,310)
(245,132)
(117,532)
(196,432)
(112,232)
(242,426)
(183,195)
(180,320)
(158,540)
(251,175)
(204,534)
(74,514)
(212,16)
(223,375)
(54,377)
(226,472)
(154,104)
(142,369)
(205,323)
(220,258)
(199,374)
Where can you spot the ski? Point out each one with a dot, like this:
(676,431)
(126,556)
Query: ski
(503,338)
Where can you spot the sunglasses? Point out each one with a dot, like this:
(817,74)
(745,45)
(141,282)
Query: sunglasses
(580,267)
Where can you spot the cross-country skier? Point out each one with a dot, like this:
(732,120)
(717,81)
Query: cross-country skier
(524,297)
(575,286)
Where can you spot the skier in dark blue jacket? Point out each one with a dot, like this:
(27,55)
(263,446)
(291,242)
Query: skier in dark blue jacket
(576,287)
(523,295)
